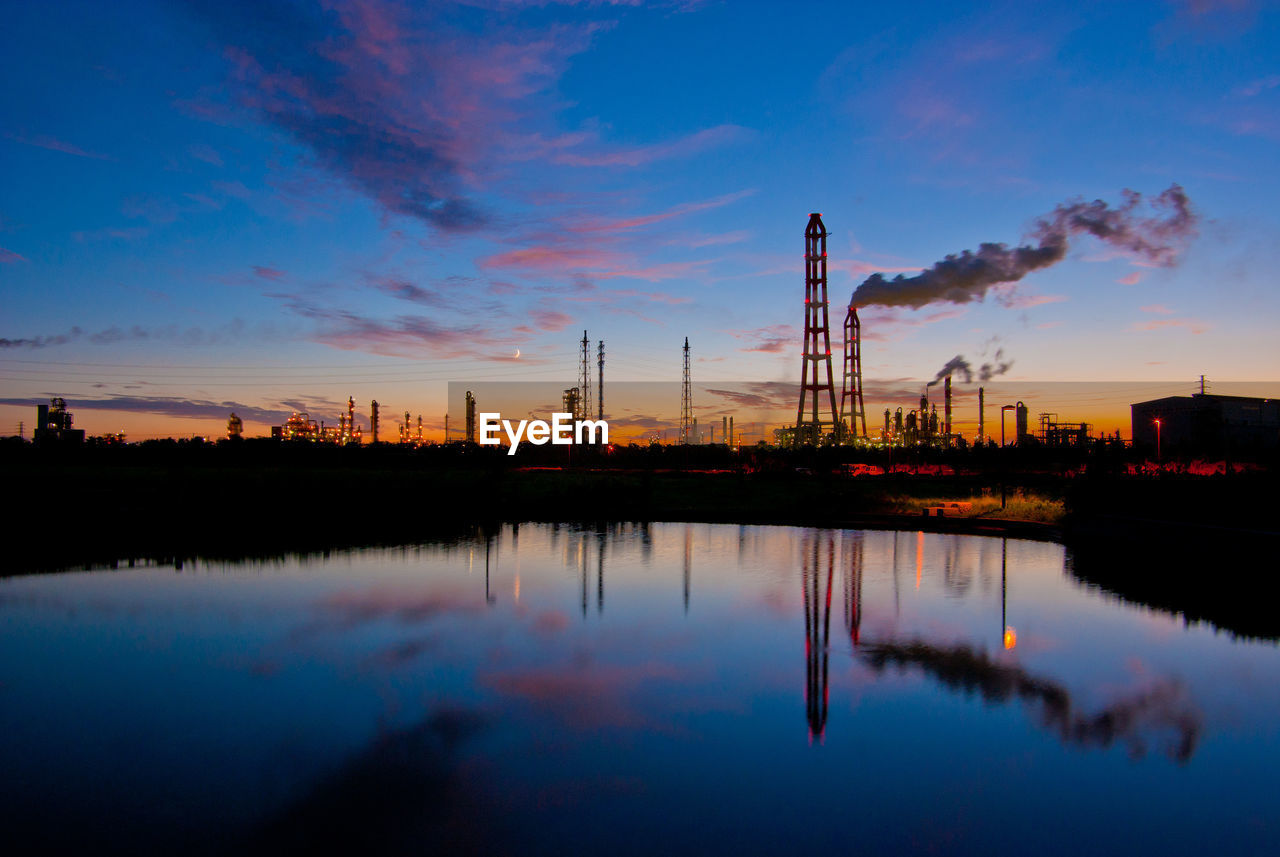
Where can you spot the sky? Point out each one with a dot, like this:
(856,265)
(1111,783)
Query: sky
(270,206)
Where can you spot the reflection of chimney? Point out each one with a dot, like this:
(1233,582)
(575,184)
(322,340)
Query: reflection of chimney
(817,629)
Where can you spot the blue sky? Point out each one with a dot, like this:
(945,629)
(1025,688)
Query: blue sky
(275,205)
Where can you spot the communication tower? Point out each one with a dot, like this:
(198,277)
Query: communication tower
(600,381)
(584,381)
(686,400)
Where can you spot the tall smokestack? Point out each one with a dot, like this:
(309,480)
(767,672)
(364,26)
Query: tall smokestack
(946,410)
(373,420)
(981,404)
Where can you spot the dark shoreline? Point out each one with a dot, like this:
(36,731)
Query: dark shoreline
(1184,545)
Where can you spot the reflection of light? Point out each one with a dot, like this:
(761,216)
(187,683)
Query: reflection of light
(517,587)
(1010,637)
(919,556)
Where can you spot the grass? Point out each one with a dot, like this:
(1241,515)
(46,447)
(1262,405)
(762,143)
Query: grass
(1020,505)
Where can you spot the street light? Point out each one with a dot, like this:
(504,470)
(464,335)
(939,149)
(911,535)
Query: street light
(1157,422)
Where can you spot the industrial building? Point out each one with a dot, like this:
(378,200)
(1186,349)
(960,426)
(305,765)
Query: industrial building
(53,424)
(300,426)
(1207,424)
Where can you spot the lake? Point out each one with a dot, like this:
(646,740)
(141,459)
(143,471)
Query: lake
(631,689)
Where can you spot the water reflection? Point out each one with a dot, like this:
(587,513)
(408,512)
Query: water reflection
(403,790)
(376,700)
(816,584)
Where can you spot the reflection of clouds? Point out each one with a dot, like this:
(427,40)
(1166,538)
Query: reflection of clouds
(1162,707)
(551,622)
(588,696)
(349,609)
(402,790)
(405,652)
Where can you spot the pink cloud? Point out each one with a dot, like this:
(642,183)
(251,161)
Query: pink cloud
(609,225)
(206,153)
(1257,87)
(1131,279)
(735,237)
(635,156)
(601,264)
(8,257)
(773,339)
(550,258)
(1157,308)
(1193,326)
(550,320)
(54,145)
(1029,301)
(859,268)
(132,233)
(266,273)
(401,336)
(885,324)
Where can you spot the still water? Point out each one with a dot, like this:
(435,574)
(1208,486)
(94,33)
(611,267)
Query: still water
(641,689)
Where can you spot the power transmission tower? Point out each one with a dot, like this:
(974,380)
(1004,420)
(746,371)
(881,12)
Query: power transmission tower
(686,399)
(817,337)
(584,381)
(600,381)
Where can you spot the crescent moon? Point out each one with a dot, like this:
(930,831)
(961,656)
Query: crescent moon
(517,357)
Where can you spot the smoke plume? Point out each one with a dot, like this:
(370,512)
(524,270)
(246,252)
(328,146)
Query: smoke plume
(965,277)
(964,369)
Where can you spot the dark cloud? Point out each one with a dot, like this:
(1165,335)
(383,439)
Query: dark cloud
(42,341)
(961,368)
(408,291)
(170,406)
(233,331)
(401,336)
(969,275)
(385,96)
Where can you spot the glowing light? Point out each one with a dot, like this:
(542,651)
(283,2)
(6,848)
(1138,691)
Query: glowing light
(1010,637)
(919,556)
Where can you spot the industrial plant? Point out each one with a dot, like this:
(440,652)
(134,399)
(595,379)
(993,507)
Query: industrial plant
(1201,424)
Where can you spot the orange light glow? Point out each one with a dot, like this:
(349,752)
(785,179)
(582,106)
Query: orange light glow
(919,556)
(1010,637)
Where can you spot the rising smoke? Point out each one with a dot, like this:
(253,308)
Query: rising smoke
(964,369)
(966,277)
